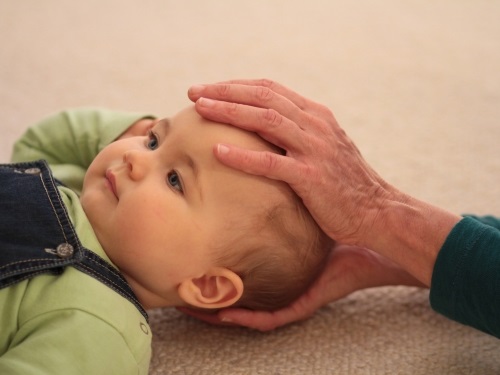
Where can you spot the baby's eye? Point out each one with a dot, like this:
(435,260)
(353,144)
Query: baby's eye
(174,180)
(152,142)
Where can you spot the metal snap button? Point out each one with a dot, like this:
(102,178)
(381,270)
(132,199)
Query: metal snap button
(64,250)
(33,171)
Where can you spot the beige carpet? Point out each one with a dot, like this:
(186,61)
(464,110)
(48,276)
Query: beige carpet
(416,84)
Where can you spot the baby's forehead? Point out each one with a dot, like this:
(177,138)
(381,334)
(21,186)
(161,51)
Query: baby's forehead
(189,118)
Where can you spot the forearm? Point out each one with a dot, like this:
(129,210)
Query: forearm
(411,233)
(352,268)
(374,270)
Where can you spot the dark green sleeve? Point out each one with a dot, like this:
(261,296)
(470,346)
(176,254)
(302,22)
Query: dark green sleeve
(489,220)
(466,278)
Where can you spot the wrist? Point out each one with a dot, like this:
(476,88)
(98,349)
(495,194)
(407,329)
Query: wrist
(381,271)
(410,232)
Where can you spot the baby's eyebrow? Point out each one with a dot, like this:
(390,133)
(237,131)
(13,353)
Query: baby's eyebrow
(165,123)
(196,171)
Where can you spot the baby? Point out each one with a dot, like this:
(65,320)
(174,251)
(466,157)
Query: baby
(157,222)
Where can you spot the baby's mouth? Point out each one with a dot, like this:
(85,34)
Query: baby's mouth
(111,182)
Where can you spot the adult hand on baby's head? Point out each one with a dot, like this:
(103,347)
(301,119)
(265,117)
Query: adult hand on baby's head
(321,164)
(348,269)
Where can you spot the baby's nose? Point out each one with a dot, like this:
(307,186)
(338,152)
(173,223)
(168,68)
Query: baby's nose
(136,163)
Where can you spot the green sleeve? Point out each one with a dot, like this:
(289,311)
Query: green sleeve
(465,283)
(56,344)
(488,220)
(70,140)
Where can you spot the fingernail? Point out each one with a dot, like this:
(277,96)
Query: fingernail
(204,102)
(196,89)
(226,320)
(221,149)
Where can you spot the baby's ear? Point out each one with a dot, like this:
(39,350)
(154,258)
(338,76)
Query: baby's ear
(217,289)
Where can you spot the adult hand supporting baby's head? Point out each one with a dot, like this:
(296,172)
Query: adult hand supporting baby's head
(349,268)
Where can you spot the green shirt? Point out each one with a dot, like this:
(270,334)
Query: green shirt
(466,278)
(71,323)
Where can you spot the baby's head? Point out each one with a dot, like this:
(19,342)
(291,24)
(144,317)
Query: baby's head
(186,230)
(276,248)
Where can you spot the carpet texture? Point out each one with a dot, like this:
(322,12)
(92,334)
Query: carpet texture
(415,84)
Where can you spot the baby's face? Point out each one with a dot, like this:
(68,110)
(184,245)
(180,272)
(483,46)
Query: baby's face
(158,201)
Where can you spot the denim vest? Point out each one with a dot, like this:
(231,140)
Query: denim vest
(36,233)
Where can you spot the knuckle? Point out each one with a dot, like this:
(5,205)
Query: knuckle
(266,326)
(309,123)
(327,115)
(268,161)
(247,161)
(317,125)
(309,176)
(272,117)
(223,90)
(264,93)
(326,111)
(264,82)
(269,327)
(231,108)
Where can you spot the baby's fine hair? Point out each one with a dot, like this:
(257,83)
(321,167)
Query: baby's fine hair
(277,254)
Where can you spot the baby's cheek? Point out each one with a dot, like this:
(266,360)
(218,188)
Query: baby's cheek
(86,201)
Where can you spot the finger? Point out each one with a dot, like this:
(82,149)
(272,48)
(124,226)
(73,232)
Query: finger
(259,320)
(312,116)
(260,163)
(286,92)
(205,317)
(268,123)
(300,101)
(263,320)
(256,96)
